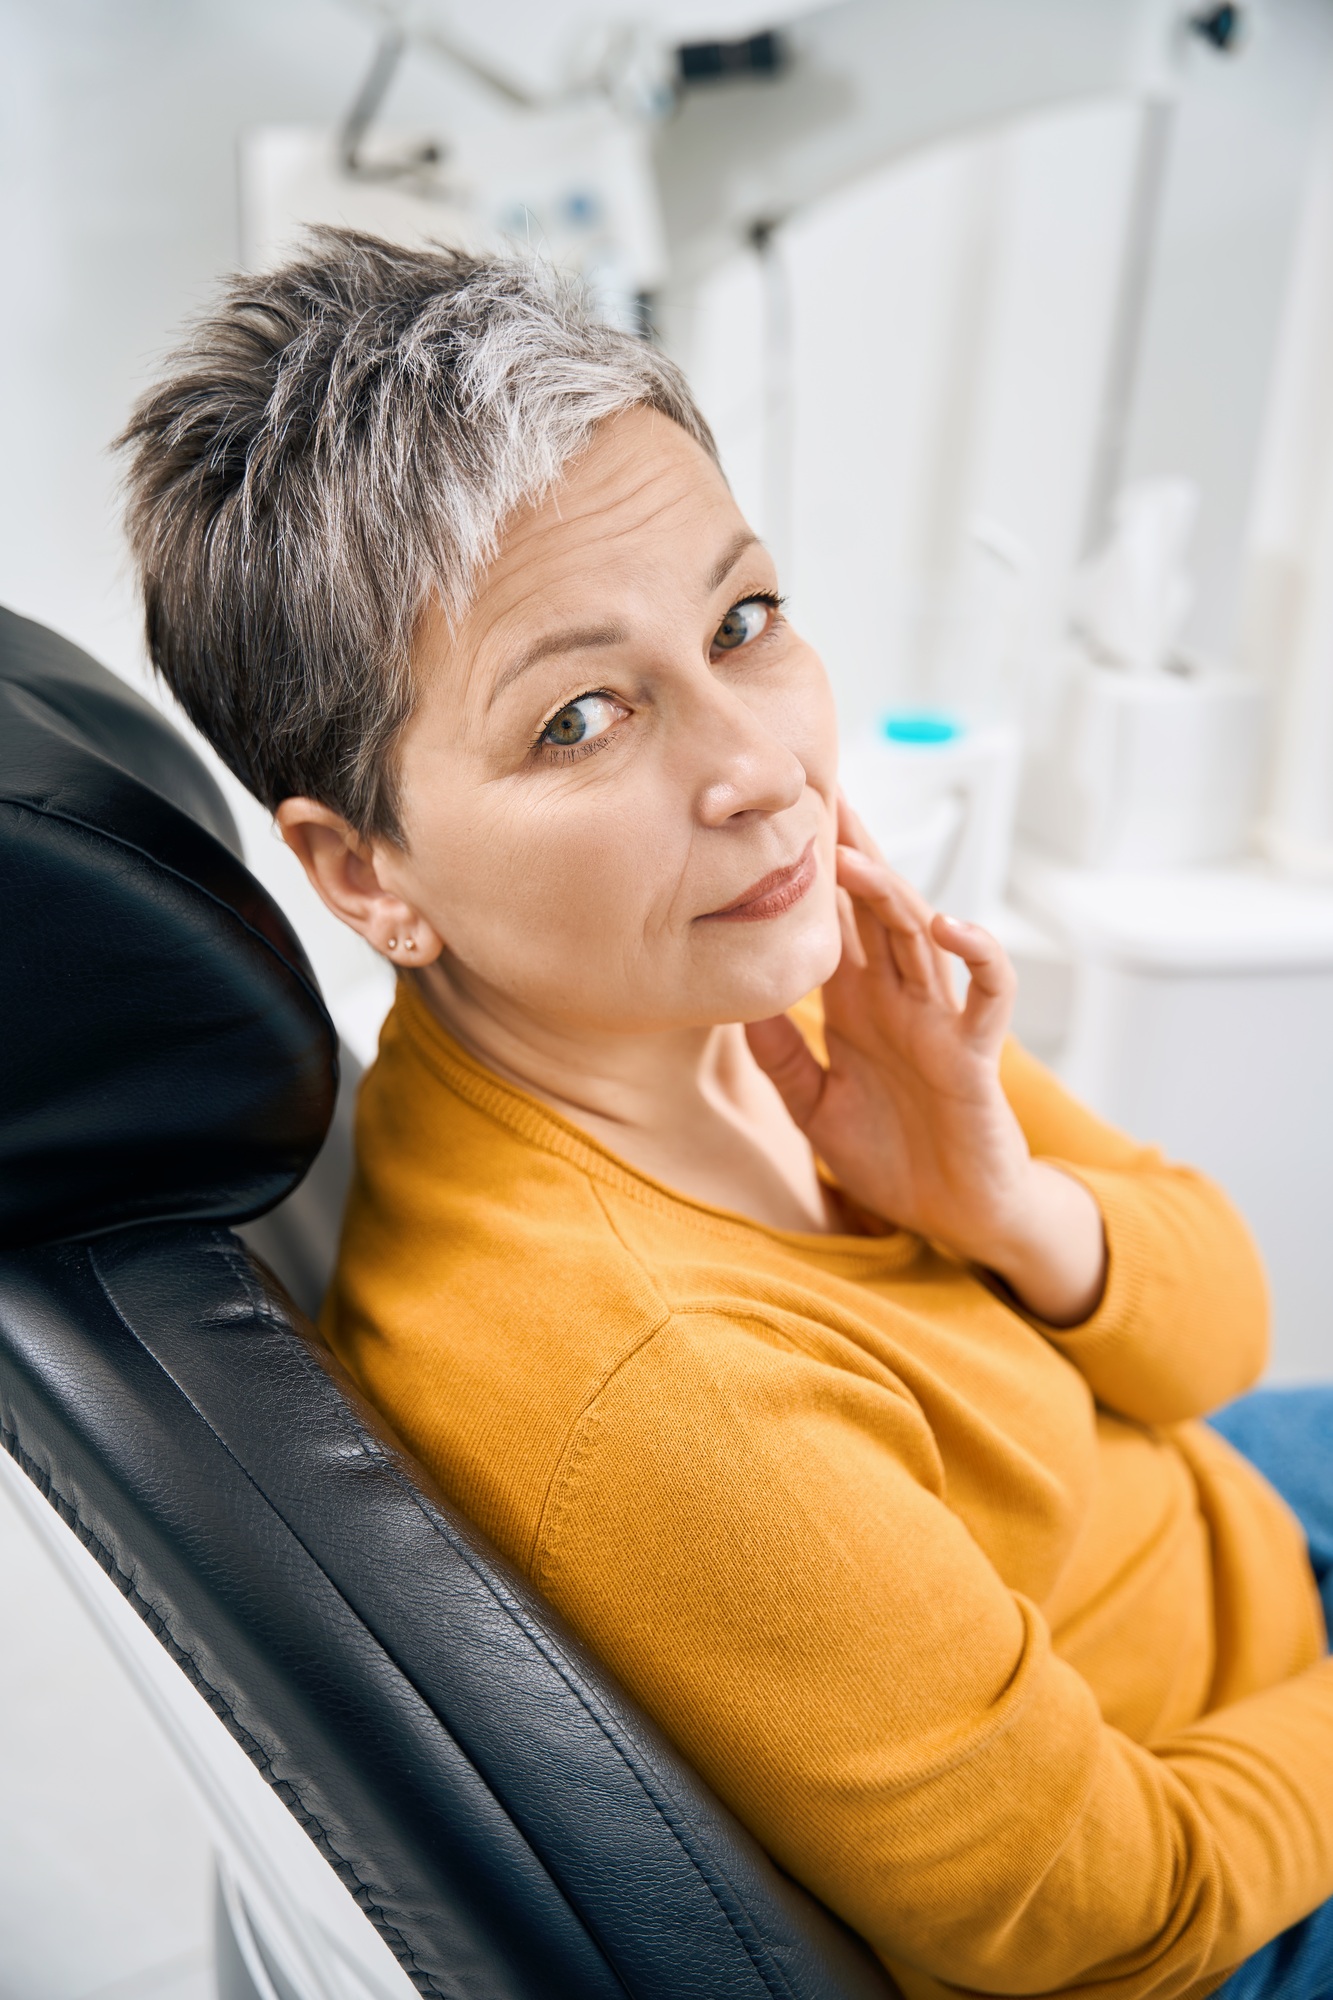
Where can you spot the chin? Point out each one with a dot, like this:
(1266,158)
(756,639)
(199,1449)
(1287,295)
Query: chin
(785,969)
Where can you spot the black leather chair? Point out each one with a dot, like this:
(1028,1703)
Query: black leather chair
(506,1818)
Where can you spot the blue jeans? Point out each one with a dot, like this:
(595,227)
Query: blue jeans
(1288,1434)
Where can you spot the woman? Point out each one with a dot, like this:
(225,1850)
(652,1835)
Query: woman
(829,1368)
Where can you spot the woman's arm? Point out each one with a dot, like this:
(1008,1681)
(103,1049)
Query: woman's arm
(1142,1272)
(1183,1322)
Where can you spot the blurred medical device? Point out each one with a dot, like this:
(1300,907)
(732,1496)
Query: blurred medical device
(643,147)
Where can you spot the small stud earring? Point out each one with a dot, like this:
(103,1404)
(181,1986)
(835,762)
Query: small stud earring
(393,944)
(409,944)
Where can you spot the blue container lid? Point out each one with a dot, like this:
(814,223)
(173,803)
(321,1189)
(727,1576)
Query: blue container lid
(920,725)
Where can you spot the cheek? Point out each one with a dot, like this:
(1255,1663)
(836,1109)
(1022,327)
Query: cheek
(560,887)
(800,711)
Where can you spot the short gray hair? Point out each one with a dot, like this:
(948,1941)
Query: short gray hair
(341,442)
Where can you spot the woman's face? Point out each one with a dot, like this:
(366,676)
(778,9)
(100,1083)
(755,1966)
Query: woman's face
(619,786)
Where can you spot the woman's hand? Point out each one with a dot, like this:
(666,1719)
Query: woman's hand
(909,1115)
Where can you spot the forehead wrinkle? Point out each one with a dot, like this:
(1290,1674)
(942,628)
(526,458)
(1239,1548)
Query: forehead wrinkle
(572,502)
(600,501)
(518,556)
(580,518)
(597,483)
(578,638)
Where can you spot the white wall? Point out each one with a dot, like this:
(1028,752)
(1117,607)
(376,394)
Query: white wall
(950,321)
(1009,312)
(1289,598)
(1238,169)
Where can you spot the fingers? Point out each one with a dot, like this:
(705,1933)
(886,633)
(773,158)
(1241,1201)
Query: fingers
(852,831)
(853,951)
(992,979)
(780,1050)
(900,934)
(871,879)
(894,924)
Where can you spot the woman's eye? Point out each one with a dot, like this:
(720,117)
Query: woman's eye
(742,623)
(579,721)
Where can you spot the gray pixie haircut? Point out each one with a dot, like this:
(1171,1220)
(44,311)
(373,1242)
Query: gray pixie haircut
(338,445)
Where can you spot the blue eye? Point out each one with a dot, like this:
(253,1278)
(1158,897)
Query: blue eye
(742,623)
(579,721)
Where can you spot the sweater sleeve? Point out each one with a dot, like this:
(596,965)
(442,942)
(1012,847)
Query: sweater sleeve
(759,1545)
(1182,1326)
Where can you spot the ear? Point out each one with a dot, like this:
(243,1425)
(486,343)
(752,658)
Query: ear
(345,872)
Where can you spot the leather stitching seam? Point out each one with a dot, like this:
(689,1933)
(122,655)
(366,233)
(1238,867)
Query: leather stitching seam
(221,1707)
(343,1868)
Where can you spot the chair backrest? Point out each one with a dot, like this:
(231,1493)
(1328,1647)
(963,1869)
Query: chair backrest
(513,1826)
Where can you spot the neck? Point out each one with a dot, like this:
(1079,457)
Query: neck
(690,1106)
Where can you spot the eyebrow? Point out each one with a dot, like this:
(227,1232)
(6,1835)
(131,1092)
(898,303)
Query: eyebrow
(729,558)
(589,638)
(572,641)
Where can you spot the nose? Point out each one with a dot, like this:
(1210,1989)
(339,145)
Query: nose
(746,767)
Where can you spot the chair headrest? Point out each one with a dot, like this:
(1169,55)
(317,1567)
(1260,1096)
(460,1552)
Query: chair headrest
(164,1051)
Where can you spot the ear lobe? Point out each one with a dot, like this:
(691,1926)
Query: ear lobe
(413,944)
(341,869)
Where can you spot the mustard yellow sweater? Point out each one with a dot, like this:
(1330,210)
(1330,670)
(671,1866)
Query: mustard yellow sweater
(1014,1665)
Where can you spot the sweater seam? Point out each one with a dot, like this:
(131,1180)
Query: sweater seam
(720,1308)
(568,1447)
(754,1315)
(636,1257)
(578,1437)
(572,1446)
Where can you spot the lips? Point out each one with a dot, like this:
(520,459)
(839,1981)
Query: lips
(771,894)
